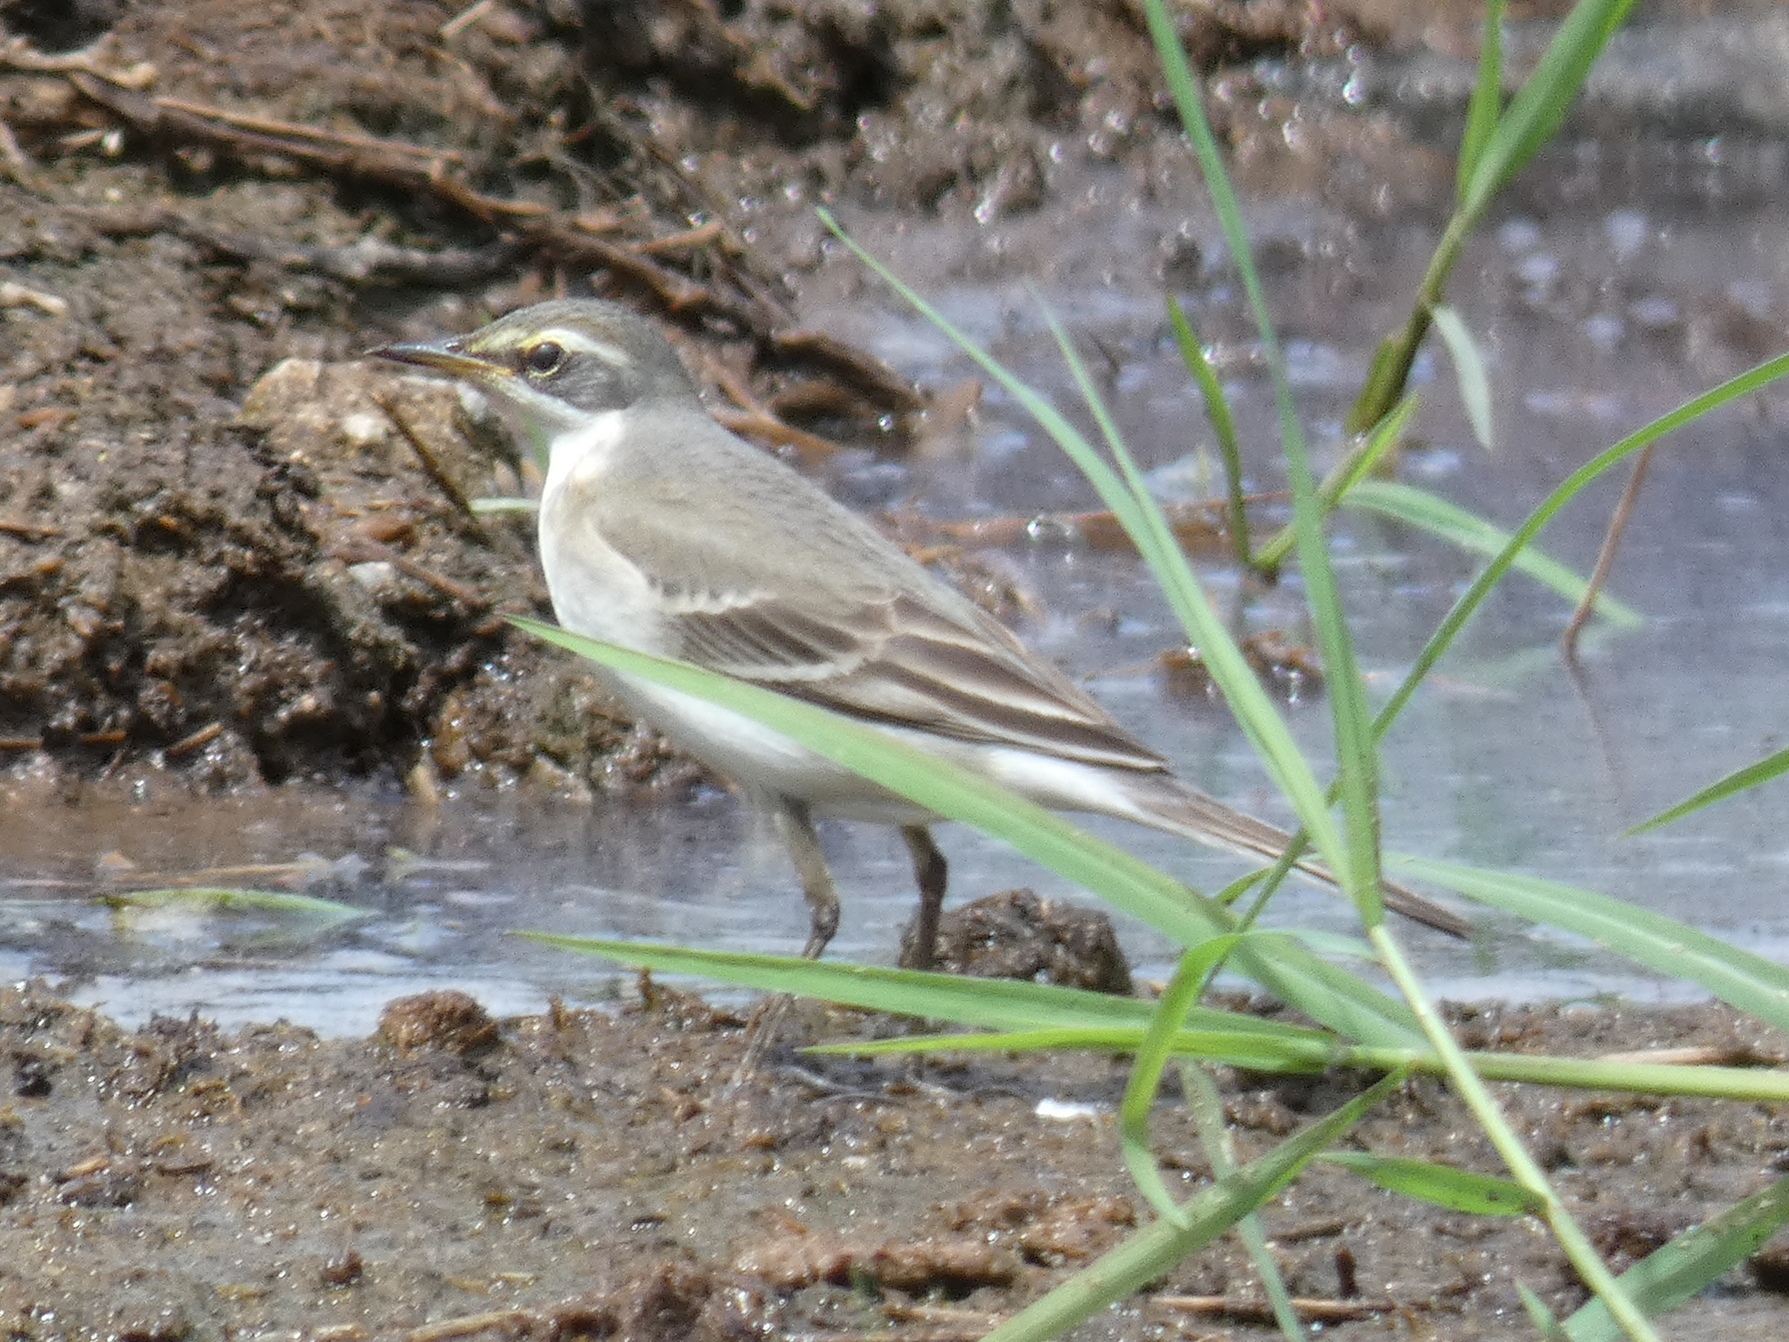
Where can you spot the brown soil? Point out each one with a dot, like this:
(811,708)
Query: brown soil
(585,1175)
(231,556)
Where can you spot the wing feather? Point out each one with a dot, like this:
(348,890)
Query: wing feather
(838,615)
(898,662)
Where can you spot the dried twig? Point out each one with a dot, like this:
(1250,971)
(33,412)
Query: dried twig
(18,54)
(15,295)
(31,531)
(367,260)
(752,419)
(1605,557)
(316,134)
(361,550)
(1199,527)
(1239,1307)
(514,1322)
(431,464)
(194,740)
(18,163)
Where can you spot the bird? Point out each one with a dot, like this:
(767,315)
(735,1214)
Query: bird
(662,531)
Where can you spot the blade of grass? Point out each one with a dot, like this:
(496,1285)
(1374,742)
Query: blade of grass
(1546,1322)
(1486,103)
(1223,424)
(1297,1055)
(1532,116)
(1568,489)
(1540,104)
(1739,780)
(1472,1092)
(1443,1185)
(1178,998)
(1220,1152)
(1356,754)
(998,1003)
(1469,369)
(1149,1252)
(1290,1054)
(1436,515)
(1249,700)
(1369,450)
(1741,979)
(1669,1276)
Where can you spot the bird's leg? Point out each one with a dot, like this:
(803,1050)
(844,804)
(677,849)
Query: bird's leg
(797,828)
(931,872)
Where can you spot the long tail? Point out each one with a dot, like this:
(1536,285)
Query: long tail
(1172,806)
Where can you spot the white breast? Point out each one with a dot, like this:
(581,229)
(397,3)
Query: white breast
(595,589)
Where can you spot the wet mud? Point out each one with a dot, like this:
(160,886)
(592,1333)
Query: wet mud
(592,1175)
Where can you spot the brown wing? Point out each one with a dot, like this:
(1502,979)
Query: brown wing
(781,585)
(901,662)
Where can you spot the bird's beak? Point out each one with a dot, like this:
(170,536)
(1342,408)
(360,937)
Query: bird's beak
(444,356)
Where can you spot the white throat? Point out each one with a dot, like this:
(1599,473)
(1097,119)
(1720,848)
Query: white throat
(581,454)
(596,590)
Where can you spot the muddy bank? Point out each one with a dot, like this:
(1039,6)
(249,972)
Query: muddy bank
(591,1175)
(231,555)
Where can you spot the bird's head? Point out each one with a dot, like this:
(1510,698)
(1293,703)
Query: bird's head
(557,364)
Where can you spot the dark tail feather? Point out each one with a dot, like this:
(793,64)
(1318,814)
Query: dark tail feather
(1173,806)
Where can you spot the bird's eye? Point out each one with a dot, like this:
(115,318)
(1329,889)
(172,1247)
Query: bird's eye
(544,359)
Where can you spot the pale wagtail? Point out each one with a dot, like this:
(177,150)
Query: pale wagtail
(662,531)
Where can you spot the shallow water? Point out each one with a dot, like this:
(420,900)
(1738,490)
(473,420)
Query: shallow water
(1623,280)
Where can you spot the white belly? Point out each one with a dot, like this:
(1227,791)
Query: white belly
(758,758)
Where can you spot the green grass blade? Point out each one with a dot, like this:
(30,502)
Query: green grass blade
(1356,751)
(1742,980)
(1152,1250)
(1296,1053)
(1546,1322)
(1568,489)
(1356,746)
(1220,1151)
(1359,462)
(1737,781)
(1486,102)
(1469,370)
(1669,1276)
(1443,1185)
(1540,105)
(1757,1084)
(1223,424)
(1436,515)
(992,1003)
(1254,710)
(1177,1000)
(1289,1052)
